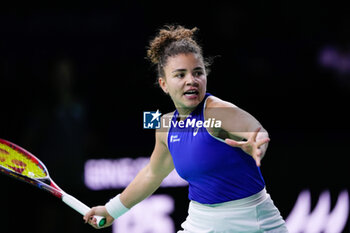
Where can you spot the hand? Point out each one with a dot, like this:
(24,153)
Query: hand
(100,211)
(251,146)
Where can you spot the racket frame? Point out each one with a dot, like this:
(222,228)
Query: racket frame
(46,183)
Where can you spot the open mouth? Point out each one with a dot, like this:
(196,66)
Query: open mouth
(191,93)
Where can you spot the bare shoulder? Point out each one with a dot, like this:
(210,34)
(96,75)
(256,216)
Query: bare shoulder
(216,102)
(235,121)
(215,107)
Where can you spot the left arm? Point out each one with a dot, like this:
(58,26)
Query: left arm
(239,124)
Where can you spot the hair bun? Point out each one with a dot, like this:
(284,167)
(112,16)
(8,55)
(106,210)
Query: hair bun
(166,36)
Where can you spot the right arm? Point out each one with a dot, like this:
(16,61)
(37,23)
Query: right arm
(146,181)
(151,176)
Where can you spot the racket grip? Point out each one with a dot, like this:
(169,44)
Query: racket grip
(82,208)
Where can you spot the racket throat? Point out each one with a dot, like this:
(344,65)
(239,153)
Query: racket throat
(45,181)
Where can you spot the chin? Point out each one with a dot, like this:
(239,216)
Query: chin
(192,103)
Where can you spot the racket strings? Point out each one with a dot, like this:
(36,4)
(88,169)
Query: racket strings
(19,163)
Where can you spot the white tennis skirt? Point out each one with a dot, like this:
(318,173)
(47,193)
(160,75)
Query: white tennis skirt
(253,214)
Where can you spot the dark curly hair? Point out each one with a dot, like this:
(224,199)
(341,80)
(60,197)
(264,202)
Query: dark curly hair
(170,41)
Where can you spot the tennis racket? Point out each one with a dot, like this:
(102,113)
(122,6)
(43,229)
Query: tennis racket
(21,164)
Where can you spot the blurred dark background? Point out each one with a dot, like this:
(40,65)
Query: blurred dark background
(74,83)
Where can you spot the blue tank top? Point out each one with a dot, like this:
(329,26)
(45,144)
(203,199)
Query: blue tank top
(215,171)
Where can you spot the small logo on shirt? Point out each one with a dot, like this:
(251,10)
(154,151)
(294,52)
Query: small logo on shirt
(195,131)
(151,120)
(174,138)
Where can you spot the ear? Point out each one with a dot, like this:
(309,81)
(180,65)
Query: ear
(162,83)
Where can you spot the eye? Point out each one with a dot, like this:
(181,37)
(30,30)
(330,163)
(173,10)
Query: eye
(198,73)
(179,75)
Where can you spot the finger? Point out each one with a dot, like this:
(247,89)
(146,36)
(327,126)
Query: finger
(88,215)
(234,143)
(86,218)
(92,221)
(262,142)
(258,161)
(257,157)
(256,133)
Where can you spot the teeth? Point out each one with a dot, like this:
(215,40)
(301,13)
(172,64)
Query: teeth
(191,92)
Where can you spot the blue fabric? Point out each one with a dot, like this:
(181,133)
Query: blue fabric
(215,171)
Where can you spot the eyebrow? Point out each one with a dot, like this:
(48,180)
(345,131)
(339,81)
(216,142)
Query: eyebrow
(178,70)
(182,70)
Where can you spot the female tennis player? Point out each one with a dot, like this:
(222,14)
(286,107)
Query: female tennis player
(219,156)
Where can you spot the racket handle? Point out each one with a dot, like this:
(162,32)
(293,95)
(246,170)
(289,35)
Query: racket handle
(82,208)
(100,220)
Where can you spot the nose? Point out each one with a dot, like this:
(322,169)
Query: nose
(191,80)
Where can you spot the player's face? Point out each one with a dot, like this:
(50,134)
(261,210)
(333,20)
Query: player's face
(185,80)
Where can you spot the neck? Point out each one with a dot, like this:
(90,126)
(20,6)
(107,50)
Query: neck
(184,112)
